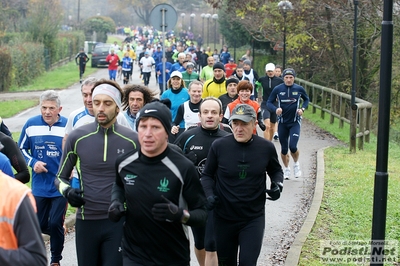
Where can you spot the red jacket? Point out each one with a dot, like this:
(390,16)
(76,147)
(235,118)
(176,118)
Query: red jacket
(112,60)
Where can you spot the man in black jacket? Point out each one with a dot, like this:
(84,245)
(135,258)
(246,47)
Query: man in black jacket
(234,180)
(162,194)
(265,85)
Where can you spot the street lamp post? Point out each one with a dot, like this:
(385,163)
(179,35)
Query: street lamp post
(183,19)
(192,16)
(208,16)
(284,7)
(215,17)
(79,11)
(202,24)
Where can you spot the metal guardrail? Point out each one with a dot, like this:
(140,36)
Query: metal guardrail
(338,105)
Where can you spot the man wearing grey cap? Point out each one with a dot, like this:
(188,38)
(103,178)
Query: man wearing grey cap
(93,149)
(162,192)
(234,181)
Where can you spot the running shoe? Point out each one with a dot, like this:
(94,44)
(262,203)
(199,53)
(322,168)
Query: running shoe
(286,173)
(297,170)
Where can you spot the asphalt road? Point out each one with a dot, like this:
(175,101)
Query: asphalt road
(283,217)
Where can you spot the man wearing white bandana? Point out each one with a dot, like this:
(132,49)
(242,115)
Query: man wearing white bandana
(84,115)
(93,149)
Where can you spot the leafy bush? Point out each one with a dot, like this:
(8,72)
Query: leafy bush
(27,62)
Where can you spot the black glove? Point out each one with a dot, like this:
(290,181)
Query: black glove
(116,211)
(274,192)
(74,197)
(191,156)
(261,125)
(211,202)
(167,211)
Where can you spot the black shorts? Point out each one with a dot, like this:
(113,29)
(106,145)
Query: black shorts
(267,114)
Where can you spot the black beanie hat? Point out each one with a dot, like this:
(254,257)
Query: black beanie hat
(231,80)
(157,110)
(219,65)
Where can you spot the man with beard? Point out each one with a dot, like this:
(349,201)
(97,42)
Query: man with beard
(215,87)
(93,149)
(84,115)
(135,97)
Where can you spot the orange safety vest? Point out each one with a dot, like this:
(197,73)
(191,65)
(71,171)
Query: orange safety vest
(12,193)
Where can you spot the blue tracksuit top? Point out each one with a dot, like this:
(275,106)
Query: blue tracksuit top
(41,142)
(289,100)
(176,100)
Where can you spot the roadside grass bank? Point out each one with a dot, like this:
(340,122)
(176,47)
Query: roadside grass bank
(346,209)
(13,107)
(57,79)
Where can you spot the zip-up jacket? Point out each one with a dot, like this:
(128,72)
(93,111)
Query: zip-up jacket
(94,150)
(288,98)
(41,142)
(214,88)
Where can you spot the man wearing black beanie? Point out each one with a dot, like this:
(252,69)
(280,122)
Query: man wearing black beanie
(231,93)
(162,192)
(215,87)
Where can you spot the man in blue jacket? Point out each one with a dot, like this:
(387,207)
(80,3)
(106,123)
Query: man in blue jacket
(41,145)
(292,101)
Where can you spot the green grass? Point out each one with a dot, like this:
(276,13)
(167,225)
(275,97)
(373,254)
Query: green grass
(346,209)
(11,108)
(59,78)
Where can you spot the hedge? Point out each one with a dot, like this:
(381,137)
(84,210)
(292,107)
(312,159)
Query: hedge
(21,61)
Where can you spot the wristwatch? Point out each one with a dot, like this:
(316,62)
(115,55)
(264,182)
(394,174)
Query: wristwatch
(185,216)
(303,109)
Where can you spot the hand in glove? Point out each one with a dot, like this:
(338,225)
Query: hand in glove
(261,125)
(274,192)
(116,211)
(211,202)
(167,211)
(74,197)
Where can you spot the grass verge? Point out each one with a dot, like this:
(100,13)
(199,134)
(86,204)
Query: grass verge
(346,209)
(13,107)
(59,78)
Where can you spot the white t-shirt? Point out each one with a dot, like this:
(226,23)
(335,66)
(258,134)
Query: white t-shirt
(147,64)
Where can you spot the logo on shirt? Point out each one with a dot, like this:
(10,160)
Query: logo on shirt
(163,185)
(193,147)
(130,179)
(52,147)
(201,165)
(243,170)
(53,153)
(120,151)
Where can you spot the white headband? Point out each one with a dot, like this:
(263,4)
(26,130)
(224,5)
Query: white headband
(109,90)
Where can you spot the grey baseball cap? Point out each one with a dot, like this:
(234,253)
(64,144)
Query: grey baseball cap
(243,112)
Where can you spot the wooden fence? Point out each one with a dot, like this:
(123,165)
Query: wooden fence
(338,105)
